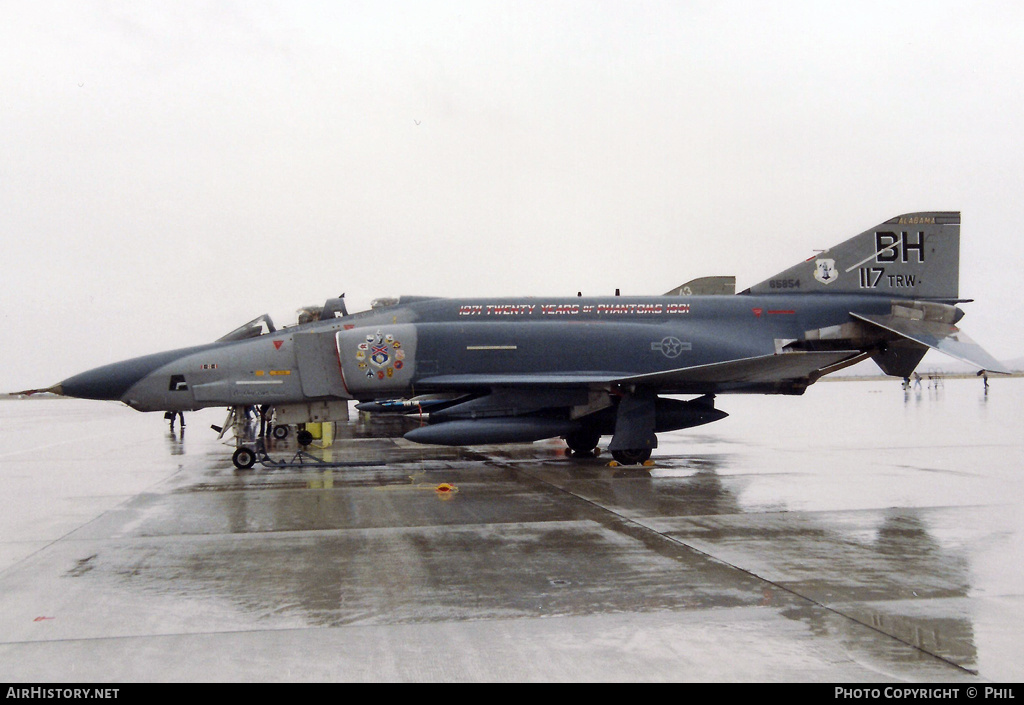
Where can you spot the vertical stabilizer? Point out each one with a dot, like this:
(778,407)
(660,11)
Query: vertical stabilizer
(916,255)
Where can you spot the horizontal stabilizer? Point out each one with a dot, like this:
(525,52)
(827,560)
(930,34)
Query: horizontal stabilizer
(938,335)
(765,369)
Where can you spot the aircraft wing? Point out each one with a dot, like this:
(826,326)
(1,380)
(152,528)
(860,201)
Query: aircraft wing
(944,337)
(762,370)
(719,376)
(471,381)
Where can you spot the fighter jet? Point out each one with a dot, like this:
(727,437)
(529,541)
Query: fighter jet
(506,370)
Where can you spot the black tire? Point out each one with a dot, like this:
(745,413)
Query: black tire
(280,432)
(244,458)
(632,456)
(583,441)
(304,437)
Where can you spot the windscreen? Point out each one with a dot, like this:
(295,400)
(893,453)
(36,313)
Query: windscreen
(253,329)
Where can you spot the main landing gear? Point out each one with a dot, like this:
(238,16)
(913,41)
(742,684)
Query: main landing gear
(637,456)
(585,443)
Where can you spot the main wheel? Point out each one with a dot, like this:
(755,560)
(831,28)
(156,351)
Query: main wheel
(280,432)
(582,441)
(632,456)
(244,458)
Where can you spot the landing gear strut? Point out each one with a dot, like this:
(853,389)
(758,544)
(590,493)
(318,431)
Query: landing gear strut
(252,446)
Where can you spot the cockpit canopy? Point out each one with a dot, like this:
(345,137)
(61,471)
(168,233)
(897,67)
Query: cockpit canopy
(261,325)
(332,308)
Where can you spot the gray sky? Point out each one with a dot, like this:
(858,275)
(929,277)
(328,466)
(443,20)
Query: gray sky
(170,170)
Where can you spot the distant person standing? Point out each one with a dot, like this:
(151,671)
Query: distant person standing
(174,415)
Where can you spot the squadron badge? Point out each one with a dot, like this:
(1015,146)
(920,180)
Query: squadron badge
(380,356)
(825,271)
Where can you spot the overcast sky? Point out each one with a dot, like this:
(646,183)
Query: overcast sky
(169,170)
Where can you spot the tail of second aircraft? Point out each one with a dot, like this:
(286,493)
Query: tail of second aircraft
(916,255)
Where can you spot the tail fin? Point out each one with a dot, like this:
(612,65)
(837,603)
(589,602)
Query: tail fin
(916,255)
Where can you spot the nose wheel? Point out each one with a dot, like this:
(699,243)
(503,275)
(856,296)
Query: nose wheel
(244,458)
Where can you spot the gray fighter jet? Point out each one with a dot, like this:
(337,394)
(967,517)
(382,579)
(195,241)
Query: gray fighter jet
(504,370)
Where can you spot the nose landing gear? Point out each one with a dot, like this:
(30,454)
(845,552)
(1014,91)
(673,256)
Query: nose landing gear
(244,458)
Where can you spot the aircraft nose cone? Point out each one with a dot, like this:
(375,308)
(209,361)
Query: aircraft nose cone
(109,382)
(112,382)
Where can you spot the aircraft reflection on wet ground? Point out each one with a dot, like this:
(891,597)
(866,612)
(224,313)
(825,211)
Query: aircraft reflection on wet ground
(878,536)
